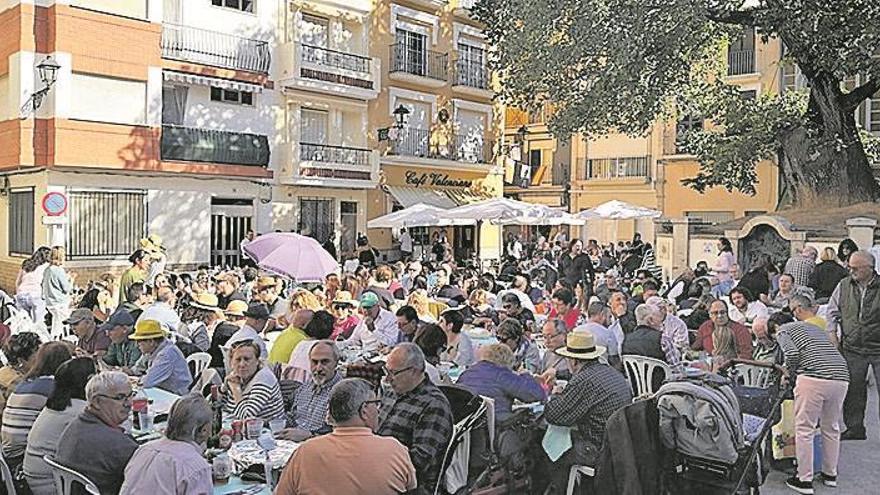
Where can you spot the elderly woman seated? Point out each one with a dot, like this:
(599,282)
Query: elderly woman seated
(492,376)
(525,353)
(251,389)
(174,464)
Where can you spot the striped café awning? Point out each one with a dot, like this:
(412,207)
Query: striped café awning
(441,198)
(195,79)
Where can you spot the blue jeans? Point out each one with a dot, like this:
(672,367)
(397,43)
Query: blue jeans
(723,288)
(33,305)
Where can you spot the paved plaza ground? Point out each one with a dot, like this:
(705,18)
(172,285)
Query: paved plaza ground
(859,468)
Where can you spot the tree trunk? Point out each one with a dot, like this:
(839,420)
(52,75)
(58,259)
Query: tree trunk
(825,164)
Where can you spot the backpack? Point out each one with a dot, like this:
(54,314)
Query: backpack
(700,417)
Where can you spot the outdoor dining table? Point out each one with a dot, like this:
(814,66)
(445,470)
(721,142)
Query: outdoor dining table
(160,404)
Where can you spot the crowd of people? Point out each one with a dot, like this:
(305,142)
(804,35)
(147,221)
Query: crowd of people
(554,323)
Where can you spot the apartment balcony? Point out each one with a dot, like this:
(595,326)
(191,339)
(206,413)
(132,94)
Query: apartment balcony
(423,67)
(335,166)
(421,143)
(471,78)
(462,8)
(636,168)
(740,62)
(223,50)
(189,144)
(331,72)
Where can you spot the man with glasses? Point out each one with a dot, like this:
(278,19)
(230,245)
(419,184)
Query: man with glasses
(359,461)
(511,307)
(407,323)
(417,414)
(721,337)
(94,443)
(554,332)
(854,312)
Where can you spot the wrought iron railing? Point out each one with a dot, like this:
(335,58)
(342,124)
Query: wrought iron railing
(472,74)
(740,62)
(190,144)
(463,148)
(425,63)
(326,153)
(335,59)
(215,49)
(619,168)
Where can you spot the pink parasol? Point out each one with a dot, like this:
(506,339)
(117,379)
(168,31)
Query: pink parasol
(294,255)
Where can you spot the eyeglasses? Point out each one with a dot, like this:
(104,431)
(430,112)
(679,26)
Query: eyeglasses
(394,373)
(118,397)
(717,313)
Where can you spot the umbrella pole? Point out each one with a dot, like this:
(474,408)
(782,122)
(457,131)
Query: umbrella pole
(477,238)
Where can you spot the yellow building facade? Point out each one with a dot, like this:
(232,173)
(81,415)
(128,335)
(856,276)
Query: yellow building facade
(434,122)
(646,170)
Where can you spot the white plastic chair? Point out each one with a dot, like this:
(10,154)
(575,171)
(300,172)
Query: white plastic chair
(640,370)
(575,473)
(65,477)
(201,359)
(754,376)
(6,473)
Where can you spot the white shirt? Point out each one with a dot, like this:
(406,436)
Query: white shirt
(604,336)
(164,314)
(406,242)
(754,310)
(386,332)
(524,300)
(516,249)
(244,242)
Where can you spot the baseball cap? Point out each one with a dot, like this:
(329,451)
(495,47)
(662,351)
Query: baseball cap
(369,299)
(79,315)
(120,317)
(257,311)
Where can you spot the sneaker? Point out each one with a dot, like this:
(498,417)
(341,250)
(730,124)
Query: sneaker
(804,487)
(828,480)
(853,435)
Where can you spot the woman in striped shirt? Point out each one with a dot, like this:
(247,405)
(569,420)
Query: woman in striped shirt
(822,378)
(29,398)
(251,389)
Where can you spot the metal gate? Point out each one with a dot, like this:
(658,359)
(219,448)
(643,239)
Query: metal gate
(230,222)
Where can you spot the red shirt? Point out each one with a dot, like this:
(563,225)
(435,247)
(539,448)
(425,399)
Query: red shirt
(741,336)
(570,318)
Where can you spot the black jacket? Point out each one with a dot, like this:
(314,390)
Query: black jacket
(825,278)
(643,341)
(630,462)
(576,269)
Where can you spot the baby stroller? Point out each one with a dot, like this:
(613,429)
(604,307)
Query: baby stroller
(471,464)
(744,399)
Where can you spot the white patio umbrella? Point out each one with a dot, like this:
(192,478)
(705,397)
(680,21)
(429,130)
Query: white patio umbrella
(491,209)
(418,215)
(618,210)
(538,215)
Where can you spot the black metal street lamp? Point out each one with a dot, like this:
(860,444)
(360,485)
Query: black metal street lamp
(48,70)
(400,115)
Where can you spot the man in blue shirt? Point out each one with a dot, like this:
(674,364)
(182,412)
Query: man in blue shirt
(165,364)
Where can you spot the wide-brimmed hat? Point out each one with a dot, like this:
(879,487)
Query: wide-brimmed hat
(264,282)
(147,329)
(344,297)
(580,345)
(152,243)
(205,300)
(236,308)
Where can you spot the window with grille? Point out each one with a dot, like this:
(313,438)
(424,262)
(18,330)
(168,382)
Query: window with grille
(316,218)
(313,128)
(242,5)
(21,222)
(232,96)
(688,124)
(872,122)
(105,224)
(411,52)
(420,236)
(348,212)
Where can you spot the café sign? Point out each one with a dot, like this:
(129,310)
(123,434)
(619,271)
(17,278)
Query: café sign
(435,179)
